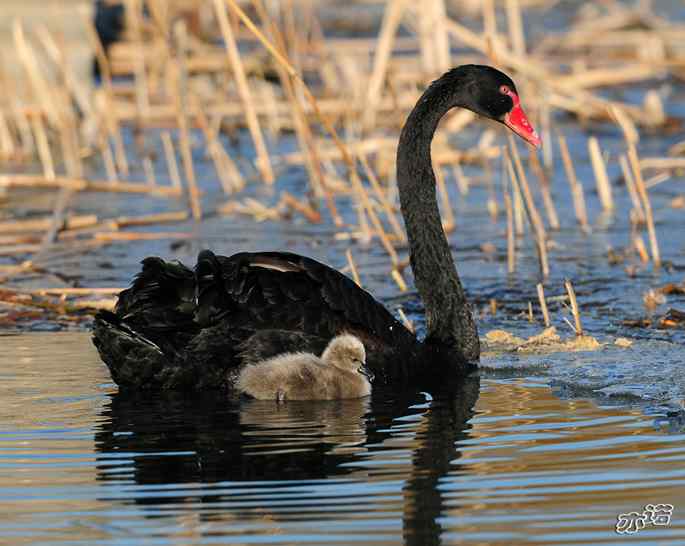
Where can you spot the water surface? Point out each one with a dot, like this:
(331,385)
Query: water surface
(489,461)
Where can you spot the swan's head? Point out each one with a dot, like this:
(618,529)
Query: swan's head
(492,94)
(347,353)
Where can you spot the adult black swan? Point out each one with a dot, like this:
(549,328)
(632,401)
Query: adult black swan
(184,329)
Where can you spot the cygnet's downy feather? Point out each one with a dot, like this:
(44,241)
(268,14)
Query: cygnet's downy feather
(339,373)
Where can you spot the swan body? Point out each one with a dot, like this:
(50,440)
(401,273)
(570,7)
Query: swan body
(338,374)
(182,328)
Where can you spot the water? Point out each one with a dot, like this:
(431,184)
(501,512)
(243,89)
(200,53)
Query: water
(492,461)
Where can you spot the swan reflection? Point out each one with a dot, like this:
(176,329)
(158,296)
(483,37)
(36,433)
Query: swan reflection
(228,462)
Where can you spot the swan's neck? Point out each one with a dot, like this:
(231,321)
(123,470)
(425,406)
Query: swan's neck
(449,320)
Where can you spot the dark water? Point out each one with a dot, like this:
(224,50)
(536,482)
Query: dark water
(491,461)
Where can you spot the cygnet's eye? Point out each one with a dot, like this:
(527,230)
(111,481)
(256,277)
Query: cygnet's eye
(504,89)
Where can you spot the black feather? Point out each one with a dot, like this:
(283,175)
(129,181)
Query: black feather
(195,330)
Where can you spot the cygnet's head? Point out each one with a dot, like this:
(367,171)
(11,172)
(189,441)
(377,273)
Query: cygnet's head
(347,352)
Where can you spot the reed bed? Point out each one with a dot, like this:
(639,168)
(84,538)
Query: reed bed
(186,80)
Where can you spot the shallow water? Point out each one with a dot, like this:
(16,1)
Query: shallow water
(492,461)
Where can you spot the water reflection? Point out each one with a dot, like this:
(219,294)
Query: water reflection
(437,440)
(169,440)
(79,465)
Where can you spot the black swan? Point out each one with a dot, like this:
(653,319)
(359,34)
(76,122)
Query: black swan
(339,373)
(176,328)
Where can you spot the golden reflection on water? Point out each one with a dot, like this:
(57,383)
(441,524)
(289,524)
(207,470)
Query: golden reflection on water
(569,457)
(522,466)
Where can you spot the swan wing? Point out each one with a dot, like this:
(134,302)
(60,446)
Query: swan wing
(281,290)
(161,297)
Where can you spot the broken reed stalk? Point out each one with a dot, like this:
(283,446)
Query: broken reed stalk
(519,213)
(7,145)
(30,181)
(43,224)
(460,178)
(447,212)
(489,19)
(543,304)
(283,61)
(425,26)
(149,170)
(69,139)
(134,23)
(263,160)
(107,157)
(181,95)
(391,20)
(511,243)
(531,211)
(151,219)
(78,90)
(441,38)
(39,85)
(547,200)
(574,307)
(223,165)
(142,235)
(640,248)
(382,197)
(646,204)
(399,280)
(44,153)
(72,291)
(546,132)
(303,208)
(601,177)
(531,207)
(303,132)
(638,215)
(26,141)
(59,213)
(515,22)
(625,123)
(663,163)
(60,115)
(576,187)
(170,156)
(353,267)
(108,111)
(408,324)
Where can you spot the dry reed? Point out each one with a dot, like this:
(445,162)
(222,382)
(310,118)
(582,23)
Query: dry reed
(181,82)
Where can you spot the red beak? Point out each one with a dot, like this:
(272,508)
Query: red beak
(517,121)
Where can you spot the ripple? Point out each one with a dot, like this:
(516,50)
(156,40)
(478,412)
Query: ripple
(498,461)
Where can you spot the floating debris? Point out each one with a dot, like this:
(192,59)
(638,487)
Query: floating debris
(623,342)
(548,341)
(673,318)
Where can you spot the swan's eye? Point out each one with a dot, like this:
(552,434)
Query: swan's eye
(504,89)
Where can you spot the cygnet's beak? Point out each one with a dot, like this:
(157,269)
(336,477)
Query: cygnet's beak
(366,371)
